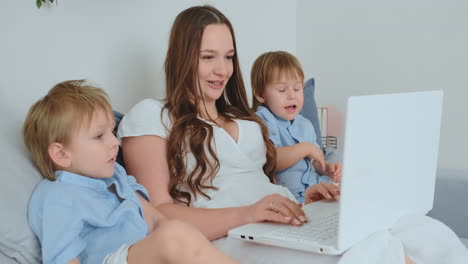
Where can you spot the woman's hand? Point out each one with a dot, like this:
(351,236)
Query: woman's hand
(321,191)
(276,208)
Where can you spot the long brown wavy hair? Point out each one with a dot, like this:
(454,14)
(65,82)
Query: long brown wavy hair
(189,134)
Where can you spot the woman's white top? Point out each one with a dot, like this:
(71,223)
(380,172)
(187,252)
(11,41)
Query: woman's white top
(240,179)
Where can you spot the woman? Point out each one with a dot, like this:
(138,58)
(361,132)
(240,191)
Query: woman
(206,102)
(203,155)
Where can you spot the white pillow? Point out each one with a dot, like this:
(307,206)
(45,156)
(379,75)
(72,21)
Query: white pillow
(19,178)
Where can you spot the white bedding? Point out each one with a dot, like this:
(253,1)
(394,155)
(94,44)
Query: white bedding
(6,260)
(425,240)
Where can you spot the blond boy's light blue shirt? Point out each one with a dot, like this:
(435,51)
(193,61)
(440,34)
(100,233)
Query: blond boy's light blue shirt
(88,218)
(285,133)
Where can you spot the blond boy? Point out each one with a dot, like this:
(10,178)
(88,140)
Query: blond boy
(277,86)
(87,209)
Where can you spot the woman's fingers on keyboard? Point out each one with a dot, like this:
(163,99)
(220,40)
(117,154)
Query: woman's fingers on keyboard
(277,217)
(287,209)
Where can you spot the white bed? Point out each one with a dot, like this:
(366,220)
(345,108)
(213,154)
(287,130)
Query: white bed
(450,200)
(384,247)
(19,245)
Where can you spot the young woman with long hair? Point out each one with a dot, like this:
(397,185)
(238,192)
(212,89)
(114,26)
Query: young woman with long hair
(203,147)
(205,158)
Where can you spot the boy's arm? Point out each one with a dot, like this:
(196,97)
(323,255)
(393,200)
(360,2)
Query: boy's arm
(152,216)
(288,156)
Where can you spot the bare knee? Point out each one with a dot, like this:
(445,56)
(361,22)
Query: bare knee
(175,230)
(408,260)
(176,238)
(172,242)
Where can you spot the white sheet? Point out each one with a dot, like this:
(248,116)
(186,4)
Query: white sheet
(425,240)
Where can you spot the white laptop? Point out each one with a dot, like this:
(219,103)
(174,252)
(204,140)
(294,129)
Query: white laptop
(389,167)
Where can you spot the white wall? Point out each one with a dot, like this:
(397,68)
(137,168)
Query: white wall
(367,47)
(118,45)
(351,48)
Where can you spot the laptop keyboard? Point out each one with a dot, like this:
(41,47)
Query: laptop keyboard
(320,228)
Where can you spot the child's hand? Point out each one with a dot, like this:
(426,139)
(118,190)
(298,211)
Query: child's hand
(320,166)
(316,154)
(334,171)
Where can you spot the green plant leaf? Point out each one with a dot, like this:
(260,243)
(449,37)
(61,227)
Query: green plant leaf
(39,3)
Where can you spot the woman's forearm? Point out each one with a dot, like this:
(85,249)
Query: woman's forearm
(213,223)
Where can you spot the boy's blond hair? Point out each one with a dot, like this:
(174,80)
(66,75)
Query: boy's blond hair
(269,67)
(55,116)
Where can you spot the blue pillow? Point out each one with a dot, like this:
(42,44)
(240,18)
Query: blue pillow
(309,110)
(118,117)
